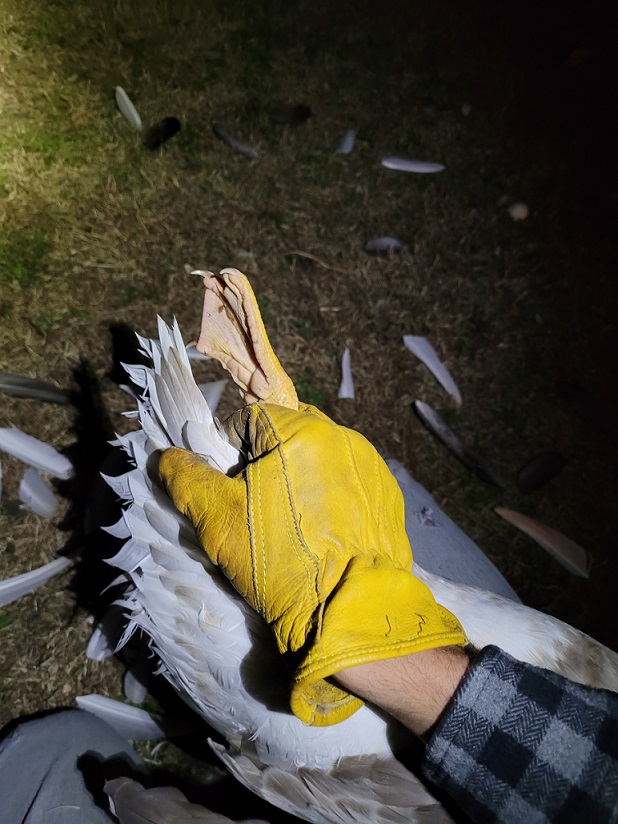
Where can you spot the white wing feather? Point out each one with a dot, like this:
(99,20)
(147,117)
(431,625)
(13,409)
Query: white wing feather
(35,453)
(346,389)
(127,108)
(11,589)
(130,722)
(35,493)
(425,352)
(404,164)
(347,142)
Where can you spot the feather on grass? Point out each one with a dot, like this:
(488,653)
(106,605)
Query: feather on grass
(21,386)
(453,442)
(404,164)
(35,494)
(126,107)
(424,351)
(563,549)
(11,589)
(35,453)
(346,389)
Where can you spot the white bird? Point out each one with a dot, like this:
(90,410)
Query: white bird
(219,654)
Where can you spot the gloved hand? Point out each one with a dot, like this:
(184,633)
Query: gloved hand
(311,533)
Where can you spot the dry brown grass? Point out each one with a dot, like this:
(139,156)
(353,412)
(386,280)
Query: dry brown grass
(96,231)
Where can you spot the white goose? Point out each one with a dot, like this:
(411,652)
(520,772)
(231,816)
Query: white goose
(218,653)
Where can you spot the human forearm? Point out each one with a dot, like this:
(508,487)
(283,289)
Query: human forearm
(515,741)
(414,688)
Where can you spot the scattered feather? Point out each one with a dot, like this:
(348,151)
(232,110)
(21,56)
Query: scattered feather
(424,351)
(238,146)
(132,686)
(212,393)
(289,114)
(347,142)
(11,589)
(518,211)
(35,453)
(563,549)
(443,433)
(383,245)
(346,390)
(404,164)
(539,471)
(130,722)
(20,386)
(160,132)
(127,108)
(99,647)
(35,494)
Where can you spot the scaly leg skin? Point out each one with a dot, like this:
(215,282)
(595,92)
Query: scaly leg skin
(233,333)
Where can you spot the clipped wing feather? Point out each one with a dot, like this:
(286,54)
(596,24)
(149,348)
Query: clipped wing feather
(424,351)
(13,588)
(346,389)
(563,549)
(127,108)
(35,453)
(35,493)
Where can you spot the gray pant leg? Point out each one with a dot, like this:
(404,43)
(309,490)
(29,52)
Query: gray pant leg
(439,545)
(48,767)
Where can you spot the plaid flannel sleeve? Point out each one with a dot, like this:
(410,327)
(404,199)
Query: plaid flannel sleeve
(519,743)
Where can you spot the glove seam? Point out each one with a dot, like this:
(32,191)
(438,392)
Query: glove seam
(355,471)
(260,594)
(307,558)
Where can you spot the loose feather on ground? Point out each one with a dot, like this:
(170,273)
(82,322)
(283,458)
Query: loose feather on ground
(11,589)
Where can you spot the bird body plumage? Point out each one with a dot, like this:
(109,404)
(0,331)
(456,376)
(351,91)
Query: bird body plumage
(219,654)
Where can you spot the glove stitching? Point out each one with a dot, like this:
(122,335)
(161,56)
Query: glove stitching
(379,486)
(355,472)
(306,555)
(307,558)
(260,596)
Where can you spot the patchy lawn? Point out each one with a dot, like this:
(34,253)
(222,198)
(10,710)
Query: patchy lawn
(97,231)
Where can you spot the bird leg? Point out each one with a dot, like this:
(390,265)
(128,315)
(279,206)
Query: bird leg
(233,333)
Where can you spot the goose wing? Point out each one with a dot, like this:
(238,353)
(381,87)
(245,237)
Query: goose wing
(366,788)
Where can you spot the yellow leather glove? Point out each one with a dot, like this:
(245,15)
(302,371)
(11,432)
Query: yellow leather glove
(311,533)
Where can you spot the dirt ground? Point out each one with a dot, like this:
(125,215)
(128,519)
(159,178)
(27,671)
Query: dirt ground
(97,232)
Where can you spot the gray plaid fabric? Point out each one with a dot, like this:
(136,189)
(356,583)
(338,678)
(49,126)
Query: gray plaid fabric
(522,744)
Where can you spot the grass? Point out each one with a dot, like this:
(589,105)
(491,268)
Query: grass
(23,256)
(309,391)
(97,231)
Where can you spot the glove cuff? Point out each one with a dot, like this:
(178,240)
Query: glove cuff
(376,612)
